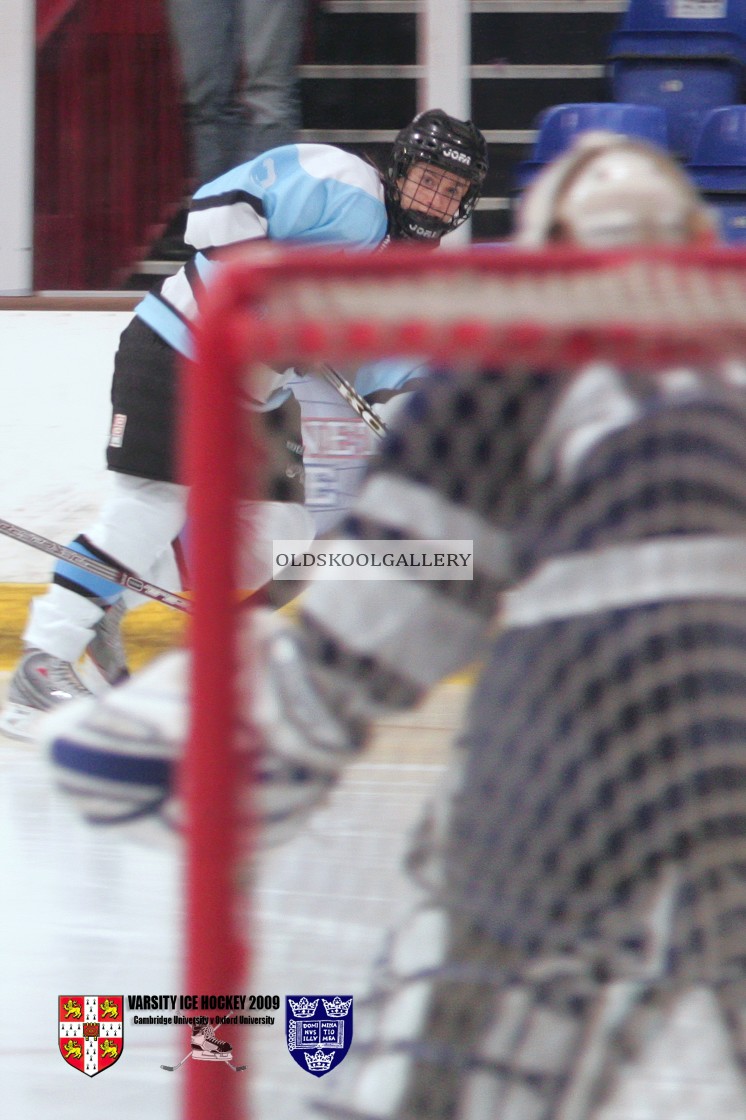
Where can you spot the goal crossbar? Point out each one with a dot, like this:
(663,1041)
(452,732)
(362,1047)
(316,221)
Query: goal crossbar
(488,306)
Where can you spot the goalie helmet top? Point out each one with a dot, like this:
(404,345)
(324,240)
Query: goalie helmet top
(610,189)
(434,138)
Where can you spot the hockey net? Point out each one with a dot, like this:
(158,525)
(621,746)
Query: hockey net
(495,308)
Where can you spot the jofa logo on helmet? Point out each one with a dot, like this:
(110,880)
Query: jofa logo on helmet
(91,1031)
(318,1031)
(420,231)
(460,157)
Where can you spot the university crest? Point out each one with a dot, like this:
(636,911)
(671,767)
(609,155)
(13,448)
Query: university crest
(91,1031)
(319,1031)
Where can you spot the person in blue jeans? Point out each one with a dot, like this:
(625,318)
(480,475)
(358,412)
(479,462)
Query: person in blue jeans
(238,61)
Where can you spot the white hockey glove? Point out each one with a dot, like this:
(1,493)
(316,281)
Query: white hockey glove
(114,754)
(305,738)
(117,755)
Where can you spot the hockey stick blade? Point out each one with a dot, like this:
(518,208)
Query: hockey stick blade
(121,576)
(173,1069)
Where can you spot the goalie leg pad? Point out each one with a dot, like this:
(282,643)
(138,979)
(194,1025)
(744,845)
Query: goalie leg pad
(460,1027)
(453,1031)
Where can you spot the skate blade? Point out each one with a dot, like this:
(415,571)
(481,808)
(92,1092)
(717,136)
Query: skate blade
(19,721)
(212,1057)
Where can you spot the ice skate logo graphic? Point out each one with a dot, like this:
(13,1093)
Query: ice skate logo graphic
(318,1037)
(207,1047)
(91,1031)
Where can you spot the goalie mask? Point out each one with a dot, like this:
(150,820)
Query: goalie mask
(610,190)
(435,176)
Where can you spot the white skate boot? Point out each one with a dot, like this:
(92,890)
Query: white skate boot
(206,1047)
(39,684)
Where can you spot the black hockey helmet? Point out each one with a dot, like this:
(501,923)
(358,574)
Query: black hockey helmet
(448,144)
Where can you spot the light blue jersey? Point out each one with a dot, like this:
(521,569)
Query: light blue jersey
(303,194)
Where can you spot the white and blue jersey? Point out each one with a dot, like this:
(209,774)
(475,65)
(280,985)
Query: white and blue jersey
(303,194)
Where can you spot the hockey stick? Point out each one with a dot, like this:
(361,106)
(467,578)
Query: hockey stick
(120,576)
(353,398)
(173,1069)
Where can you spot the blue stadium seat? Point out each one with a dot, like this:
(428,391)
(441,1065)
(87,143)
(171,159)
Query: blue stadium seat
(687,56)
(685,89)
(697,29)
(720,148)
(718,167)
(558,126)
(731,215)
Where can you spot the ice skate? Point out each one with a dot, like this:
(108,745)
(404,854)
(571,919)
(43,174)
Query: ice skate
(206,1047)
(39,684)
(104,662)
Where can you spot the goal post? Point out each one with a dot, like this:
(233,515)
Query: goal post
(492,307)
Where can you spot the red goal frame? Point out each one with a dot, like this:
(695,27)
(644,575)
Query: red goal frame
(495,307)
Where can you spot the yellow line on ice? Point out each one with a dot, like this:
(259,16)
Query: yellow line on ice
(147,630)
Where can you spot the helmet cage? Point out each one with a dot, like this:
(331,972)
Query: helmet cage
(433,138)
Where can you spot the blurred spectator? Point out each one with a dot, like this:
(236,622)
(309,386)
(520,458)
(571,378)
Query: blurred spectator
(238,61)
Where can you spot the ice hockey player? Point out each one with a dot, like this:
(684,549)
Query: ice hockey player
(586,865)
(305,194)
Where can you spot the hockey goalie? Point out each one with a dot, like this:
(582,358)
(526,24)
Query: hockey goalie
(588,866)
